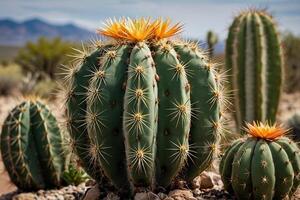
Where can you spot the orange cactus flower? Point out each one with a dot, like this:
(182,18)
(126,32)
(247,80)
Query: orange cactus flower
(265,131)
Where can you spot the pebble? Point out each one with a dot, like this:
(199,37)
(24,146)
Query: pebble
(181,195)
(146,196)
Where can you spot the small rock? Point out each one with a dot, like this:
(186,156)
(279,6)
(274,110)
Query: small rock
(181,195)
(68,197)
(92,193)
(210,180)
(40,192)
(112,196)
(25,196)
(90,183)
(162,195)
(146,196)
(168,198)
(197,192)
(196,183)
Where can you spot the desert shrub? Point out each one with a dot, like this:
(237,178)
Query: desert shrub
(10,79)
(44,56)
(45,88)
(292,62)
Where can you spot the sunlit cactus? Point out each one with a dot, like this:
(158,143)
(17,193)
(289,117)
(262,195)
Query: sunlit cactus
(31,146)
(255,64)
(141,108)
(265,165)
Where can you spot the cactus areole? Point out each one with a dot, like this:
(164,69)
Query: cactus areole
(141,107)
(255,63)
(31,147)
(265,165)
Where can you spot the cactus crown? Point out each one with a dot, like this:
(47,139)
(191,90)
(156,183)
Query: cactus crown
(265,130)
(136,30)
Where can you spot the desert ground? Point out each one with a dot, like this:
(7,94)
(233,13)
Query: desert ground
(289,105)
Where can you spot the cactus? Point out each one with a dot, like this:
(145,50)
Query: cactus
(255,64)
(142,108)
(264,165)
(31,146)
(211,40)
(294,124)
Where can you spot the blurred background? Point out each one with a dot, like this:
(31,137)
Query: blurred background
(36,37)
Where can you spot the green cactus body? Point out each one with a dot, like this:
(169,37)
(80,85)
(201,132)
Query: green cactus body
(151,108)
(261,168)
(174,114)
(205,122)
(254,61)
(105,106)
(76,110)
(226,165)
(31,147)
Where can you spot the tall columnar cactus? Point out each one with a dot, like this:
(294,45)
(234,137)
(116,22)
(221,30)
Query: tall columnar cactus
(141,106)
(255,63)
(31,146)
(265,165)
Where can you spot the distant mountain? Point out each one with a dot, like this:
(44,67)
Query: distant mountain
(17,33)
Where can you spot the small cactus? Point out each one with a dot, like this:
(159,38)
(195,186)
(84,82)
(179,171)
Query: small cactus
(255,63)
(211,40)
(141,108)
(265,165)
(294,124)
(31,146)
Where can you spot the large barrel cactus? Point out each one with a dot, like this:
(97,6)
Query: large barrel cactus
(255,63)
(141,107)
(265,165)
(31,146)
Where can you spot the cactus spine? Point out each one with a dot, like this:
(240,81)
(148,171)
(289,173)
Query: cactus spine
(263,166)
(255,63)
(31,147)
(148,107)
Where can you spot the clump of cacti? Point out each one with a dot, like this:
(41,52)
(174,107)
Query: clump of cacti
(294,124)
(211,40)
(141,107)
(255,64)
(31,146)
(265,165)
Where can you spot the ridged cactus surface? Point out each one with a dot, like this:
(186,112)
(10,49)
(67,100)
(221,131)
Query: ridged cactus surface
(255,63)
(142,108)
(31,147)
(265,165)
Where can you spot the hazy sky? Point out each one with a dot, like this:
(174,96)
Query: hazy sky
(198,16)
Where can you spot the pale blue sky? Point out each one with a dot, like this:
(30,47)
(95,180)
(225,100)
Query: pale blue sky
(198,16)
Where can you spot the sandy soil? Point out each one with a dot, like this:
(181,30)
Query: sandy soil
(290,104)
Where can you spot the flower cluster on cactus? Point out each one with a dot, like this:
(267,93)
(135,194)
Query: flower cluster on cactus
(32,146)
(143,108)
(264,165)
(255,63)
